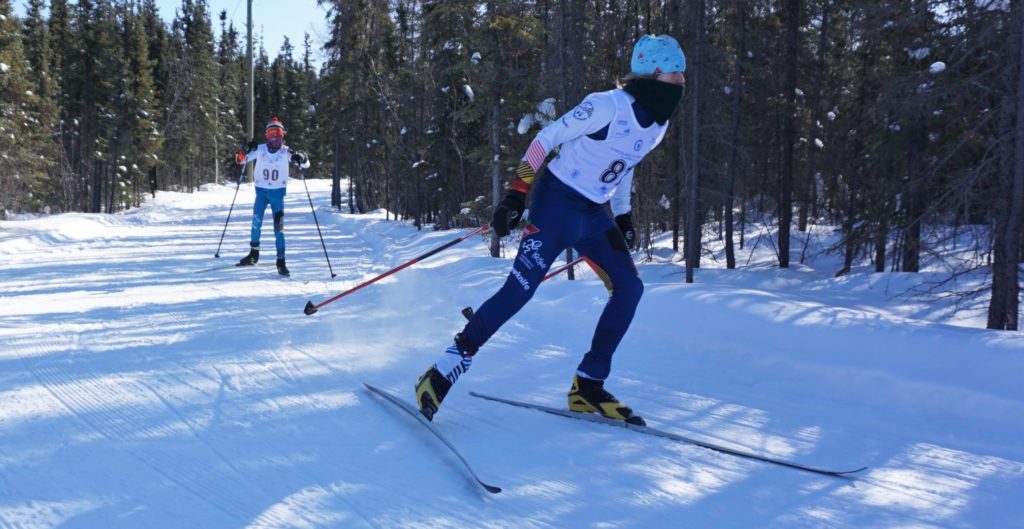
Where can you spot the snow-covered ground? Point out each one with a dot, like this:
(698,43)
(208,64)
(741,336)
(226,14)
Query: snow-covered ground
(137,393)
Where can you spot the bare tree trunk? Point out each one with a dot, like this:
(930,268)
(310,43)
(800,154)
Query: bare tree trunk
(678,177)
(495,118)
(353,206)
(97,186)
(693,213)
(918,174)
(112,187)
(849,237)
(881,238)
(792,14)
(807,189)
(734,133)
(914,204)
(915,196)
(336,173)
(388,207)
(1003,312)
(743,221)
(569,18)
(677,141)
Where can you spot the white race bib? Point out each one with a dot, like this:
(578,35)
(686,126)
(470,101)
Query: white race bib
(271,169)
(595,168)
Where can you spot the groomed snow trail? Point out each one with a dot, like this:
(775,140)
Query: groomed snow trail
(136,393)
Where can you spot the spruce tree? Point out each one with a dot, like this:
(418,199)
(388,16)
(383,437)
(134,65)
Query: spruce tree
(18,166)
(192,108)
(138,136)
(230,114)
(43,107)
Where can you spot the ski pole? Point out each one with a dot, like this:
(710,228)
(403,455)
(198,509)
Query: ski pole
(311,308)
(562,268)
(303,173)
(239,184)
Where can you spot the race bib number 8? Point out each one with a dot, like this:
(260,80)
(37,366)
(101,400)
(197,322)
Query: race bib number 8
(614,172)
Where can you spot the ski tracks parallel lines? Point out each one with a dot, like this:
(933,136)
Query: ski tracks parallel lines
(293,378)
(110,407)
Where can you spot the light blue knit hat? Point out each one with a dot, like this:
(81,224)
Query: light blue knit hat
(655,54)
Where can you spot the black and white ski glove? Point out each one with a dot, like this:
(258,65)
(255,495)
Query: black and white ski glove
(625,224)
(299,158)
(251,145)
(508,213)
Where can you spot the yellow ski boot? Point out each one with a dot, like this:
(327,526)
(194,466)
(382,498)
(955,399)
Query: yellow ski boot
(433,386)
(589,396)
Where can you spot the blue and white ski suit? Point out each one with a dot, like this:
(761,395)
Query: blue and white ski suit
(270,175)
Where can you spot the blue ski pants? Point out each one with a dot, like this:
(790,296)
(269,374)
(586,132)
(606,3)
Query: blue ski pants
(560,217)
(275,199)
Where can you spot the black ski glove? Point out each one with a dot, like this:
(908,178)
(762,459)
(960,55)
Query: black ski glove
(299,158)
(625,224)
(508,213)
(250,146)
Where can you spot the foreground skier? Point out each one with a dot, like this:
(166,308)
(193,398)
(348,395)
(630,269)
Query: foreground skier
(271,178)
(601,141)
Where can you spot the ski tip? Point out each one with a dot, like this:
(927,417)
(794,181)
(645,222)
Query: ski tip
(310,308)
(467,313)
(489,488)
(375,390)
(848,472)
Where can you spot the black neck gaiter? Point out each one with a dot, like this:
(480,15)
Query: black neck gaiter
(658,98)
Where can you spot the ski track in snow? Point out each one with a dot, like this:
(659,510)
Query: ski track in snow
(136,393)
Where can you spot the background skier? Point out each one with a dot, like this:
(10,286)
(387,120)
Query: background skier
(270,175)
(601,141)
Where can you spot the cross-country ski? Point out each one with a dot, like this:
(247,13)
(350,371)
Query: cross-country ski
(669,435)
(413,412)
